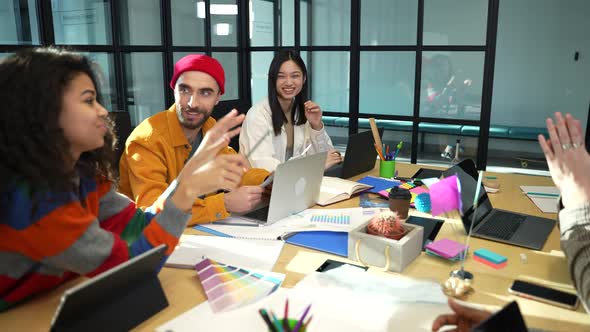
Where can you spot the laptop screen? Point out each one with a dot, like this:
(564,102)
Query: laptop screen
(360,154)
(467,174)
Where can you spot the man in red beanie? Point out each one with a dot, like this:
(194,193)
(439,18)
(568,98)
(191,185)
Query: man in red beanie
(157,149)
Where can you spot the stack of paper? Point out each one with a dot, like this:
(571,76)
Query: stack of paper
(545,197)
(447,249)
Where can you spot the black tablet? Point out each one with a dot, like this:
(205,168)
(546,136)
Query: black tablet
(115,300)
(431,227)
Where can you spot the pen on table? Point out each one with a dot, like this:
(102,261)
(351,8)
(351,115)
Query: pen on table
(401,178)
(266,319)
(542,194)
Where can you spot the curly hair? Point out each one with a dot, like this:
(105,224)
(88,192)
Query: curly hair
(32,143)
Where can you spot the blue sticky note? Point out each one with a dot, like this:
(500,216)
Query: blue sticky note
(490,256)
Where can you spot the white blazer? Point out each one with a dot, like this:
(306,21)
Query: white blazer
(272,150)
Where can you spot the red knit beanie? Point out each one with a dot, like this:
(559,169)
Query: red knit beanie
(199,62)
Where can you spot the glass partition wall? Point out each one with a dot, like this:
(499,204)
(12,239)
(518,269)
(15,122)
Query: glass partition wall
(485,73)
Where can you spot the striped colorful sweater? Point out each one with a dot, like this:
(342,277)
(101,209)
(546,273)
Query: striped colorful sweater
(47,239)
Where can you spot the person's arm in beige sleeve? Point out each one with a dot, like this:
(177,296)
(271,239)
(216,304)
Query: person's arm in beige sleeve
(569,165)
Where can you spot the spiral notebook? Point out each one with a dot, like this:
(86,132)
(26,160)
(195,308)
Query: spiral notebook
(330,220)
(242,229)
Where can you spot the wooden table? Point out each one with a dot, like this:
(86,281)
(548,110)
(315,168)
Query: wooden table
(547,266)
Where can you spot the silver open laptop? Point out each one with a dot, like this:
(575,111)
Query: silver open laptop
(296,187)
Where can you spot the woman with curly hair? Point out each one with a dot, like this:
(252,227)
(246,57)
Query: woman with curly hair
(61,215)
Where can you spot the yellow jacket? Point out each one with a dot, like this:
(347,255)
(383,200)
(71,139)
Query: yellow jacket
(154,155)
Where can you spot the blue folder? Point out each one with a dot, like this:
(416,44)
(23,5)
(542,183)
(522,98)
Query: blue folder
(378,183)
(332,242)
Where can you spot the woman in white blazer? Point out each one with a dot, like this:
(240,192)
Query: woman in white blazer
(294,121)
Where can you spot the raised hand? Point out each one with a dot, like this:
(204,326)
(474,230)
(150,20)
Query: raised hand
(224,129)
(567,158)
(223,172)
(205,171)
(313,113)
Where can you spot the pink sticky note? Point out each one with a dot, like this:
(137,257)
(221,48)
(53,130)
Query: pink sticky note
(446,248)
(445,196)
(384,193)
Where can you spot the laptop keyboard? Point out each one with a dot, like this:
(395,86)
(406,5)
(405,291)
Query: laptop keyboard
(260,214)
(502,225)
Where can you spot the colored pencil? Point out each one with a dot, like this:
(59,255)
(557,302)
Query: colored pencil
(266,319)
(286,317)
(300,322)
(379,152)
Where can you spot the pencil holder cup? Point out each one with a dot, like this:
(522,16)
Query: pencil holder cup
(292,324)
(386,168)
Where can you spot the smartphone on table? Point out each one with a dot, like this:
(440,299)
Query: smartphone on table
(544,294)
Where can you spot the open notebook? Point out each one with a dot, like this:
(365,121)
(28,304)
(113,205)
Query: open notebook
(335,190)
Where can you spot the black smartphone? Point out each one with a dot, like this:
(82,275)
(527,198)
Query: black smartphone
(332,264)
(544,294)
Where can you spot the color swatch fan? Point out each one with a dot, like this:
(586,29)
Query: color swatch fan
(229,287)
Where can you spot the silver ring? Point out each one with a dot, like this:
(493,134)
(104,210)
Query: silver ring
(576,145)
(566,146)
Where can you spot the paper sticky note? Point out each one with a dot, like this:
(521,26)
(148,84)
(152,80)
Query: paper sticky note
(490,256)
(488,263)
(446,248)
(445,196)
